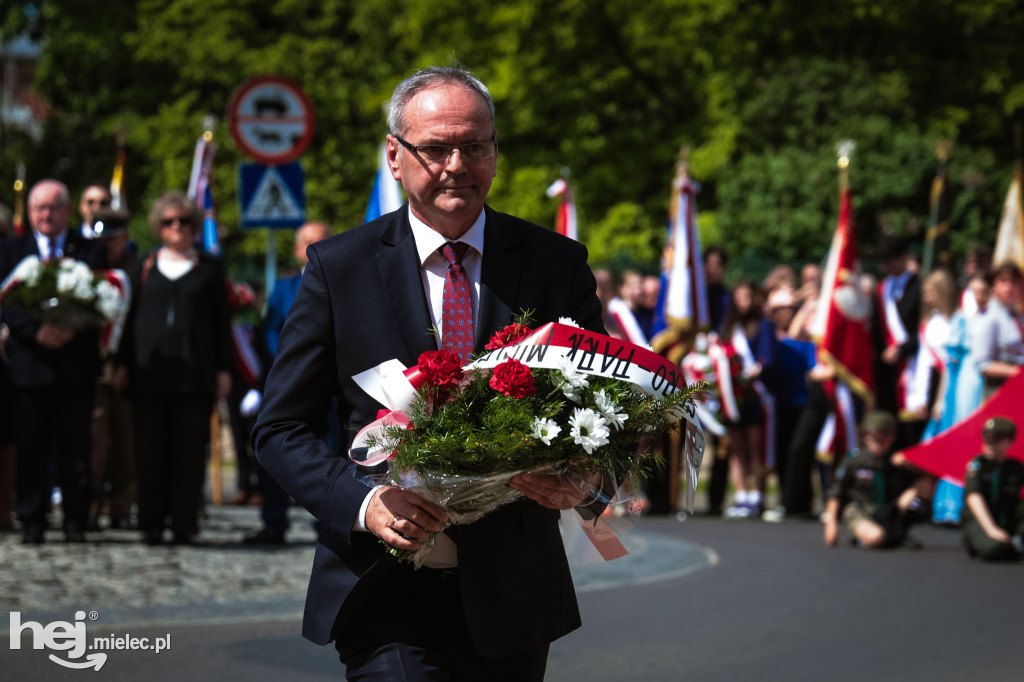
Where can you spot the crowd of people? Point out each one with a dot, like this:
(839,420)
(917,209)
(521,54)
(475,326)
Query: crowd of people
(111,425)
(122,430)
(941,344)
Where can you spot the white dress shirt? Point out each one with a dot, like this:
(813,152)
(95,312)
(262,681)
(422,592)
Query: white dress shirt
(43,244)
(433,269)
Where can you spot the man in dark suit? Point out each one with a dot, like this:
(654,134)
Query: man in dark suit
(895,319)
(486,605)
(54,370)
(274,507)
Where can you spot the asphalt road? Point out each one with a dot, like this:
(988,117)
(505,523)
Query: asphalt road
(703,600)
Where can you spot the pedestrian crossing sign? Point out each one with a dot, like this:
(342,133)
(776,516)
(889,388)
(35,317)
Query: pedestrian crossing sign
(272,196)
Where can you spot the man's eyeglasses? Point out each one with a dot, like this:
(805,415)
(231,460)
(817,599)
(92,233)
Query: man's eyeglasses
(440,153)
(40,208)
(184,222)
(97,202)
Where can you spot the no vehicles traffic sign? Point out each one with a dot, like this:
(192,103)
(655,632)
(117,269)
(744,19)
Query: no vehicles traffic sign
(271,119)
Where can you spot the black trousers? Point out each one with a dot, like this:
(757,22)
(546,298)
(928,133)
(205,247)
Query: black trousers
(786,419)
(53,423)
(171,434)
(414,628)
(797,490)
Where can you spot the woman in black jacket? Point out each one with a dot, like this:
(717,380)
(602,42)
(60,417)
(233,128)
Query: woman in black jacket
(175,357)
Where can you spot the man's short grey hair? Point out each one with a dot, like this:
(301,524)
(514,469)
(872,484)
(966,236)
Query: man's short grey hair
(429,78)
(62,191)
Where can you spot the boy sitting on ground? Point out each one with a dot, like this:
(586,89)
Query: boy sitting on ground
(875,494)
(993,511)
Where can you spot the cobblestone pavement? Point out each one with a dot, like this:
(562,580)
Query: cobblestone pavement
(219,579)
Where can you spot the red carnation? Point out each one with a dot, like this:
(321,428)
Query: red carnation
(514,379)
(508,335)
(441,368)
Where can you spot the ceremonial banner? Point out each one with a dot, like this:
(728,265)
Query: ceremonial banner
(842,320)
(683,302)
(386,195)
(1010,242)
(200,189)
(565,219)
(948,453)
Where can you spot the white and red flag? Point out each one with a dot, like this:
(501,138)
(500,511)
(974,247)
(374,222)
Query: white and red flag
(565,219)
(843,317)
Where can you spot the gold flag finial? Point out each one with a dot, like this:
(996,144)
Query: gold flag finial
(845,151)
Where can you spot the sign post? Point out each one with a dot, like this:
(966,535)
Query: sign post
(272,120)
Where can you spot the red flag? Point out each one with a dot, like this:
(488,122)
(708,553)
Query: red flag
(948,453)
(842,321)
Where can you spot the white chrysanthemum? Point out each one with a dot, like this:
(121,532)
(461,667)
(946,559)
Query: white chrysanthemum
(568,321)
(108,299)
(28,271)
(588,429)
(609,410)
(545,430)
(573,382)
(569,373)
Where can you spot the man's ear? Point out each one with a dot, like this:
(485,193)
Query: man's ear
(393,151)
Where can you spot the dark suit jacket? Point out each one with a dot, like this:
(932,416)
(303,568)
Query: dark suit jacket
(361,302)
(33,366)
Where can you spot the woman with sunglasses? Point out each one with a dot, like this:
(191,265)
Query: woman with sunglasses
(176,357)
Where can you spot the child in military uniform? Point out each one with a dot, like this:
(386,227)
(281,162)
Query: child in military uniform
(875,494)
(993,511)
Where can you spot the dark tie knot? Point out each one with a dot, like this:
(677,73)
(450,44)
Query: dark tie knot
(453,252)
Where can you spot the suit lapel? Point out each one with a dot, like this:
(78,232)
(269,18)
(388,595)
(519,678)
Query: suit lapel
(400,273)
(499,280)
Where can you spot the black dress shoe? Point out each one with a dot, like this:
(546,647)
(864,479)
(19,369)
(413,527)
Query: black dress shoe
(181,539)
(74,535)
(33,535)
(121,523)
(265,537)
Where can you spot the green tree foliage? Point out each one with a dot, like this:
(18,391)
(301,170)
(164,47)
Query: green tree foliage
(759,92)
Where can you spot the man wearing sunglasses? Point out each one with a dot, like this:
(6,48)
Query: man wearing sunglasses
(486,605)
(94,197)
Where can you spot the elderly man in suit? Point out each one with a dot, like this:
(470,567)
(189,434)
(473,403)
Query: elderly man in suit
(487,604)
(54,371)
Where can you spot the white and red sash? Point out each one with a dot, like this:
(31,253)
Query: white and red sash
(625,320)
(896,335)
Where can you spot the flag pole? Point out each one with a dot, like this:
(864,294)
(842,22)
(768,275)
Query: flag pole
(19,201)
(936,225)
(845,150)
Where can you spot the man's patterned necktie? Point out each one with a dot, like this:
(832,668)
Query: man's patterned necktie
(457,308)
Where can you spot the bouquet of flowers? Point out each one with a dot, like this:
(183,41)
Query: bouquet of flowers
(558,398)
(65,292)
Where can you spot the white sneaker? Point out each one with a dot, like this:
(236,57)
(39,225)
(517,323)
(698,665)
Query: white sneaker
(775,515)
(738,512)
